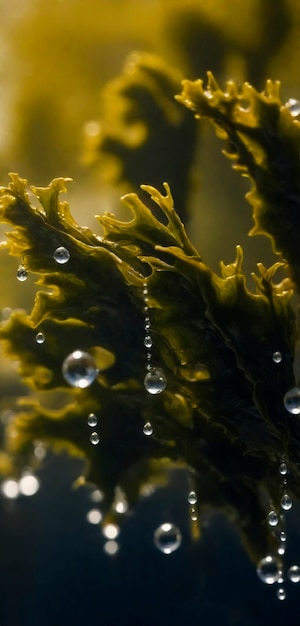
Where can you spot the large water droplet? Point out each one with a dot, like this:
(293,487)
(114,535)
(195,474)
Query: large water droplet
(294,574)
(79,369)
(40,338)
(148,429)
(22,273)
(192,497)
(29,485)
(281,593)
(294,106)
(268,570)
(277,357)
(272,518)
(155,380)
(92,420)
(291,401)
(286,502)
(94,438)
(61,255)
(148,342)
(167,538)
(283,469)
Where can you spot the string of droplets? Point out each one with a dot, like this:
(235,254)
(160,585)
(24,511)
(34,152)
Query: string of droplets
(155,380)
(270,568)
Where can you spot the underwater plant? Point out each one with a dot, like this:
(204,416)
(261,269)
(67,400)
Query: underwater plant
(138,356)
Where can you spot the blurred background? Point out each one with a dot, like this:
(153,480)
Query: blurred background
(62,71)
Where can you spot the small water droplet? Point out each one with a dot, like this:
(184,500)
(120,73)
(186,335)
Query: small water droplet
(282,536)
(92,420)
(167,538)
(94,438)
(272,518)
(291,401)
(79,369)
(148,429)
(281,593)
(155,380)
(192,497)
(283,469)
(294,574)
(281,550)
(148,342)
(111,531)
(147,324)
(40,338)
(294,106)
(61,255)
(286,502)
(94,516)
(281,578)
(268,570)
(277,357)
(22,273)
(194,515)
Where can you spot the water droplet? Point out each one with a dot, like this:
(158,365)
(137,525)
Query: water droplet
(192,497)
(79,369)
(94,516)
(92,420)
(194,515)
(272,518)
(155,381)
(148,429)
(277,357)
(286,502)
(281,550)
(281,593)
(294,574)
(268,570)
(111,547)
(97,495)
(29,485)
(10,488)
(282,536)
(61,255)
(294,106)
(22,273)
(291,401)
(283,469)
(40,338)
(281,578)
(167,538)
(111,531)
(147,324)
(148,341)
(94,438)
(40,451)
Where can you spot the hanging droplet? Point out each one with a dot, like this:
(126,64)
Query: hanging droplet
(167,538)
(277,357)
(22,273)
(155,381)
(281,550)
(294,574)
(281,578)
(147,324)
(94,438)
(282,536)
(281,593)
(291,401)
(268,570)
(40,338)
(194,515)
(272,518)
(192,497)
(286,502)
(92,420)
(283,469)
(79,369)
(148,342)
(148,429)
(61,255)
(294,107)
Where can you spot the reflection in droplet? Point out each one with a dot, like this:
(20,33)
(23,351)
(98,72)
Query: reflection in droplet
(92,420)
(10,488)
(22,273)
(111,531)
(167,538)
(155,381)
(29,485)
(286,502)
(192,497)
(61,255)
(291,401)
(268,570)
(94,516)
(281,593)
(272,518)
(294,573)
(40,338)
(111,547)
(79,369)
(148,429)
(94,438)
(277,357)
